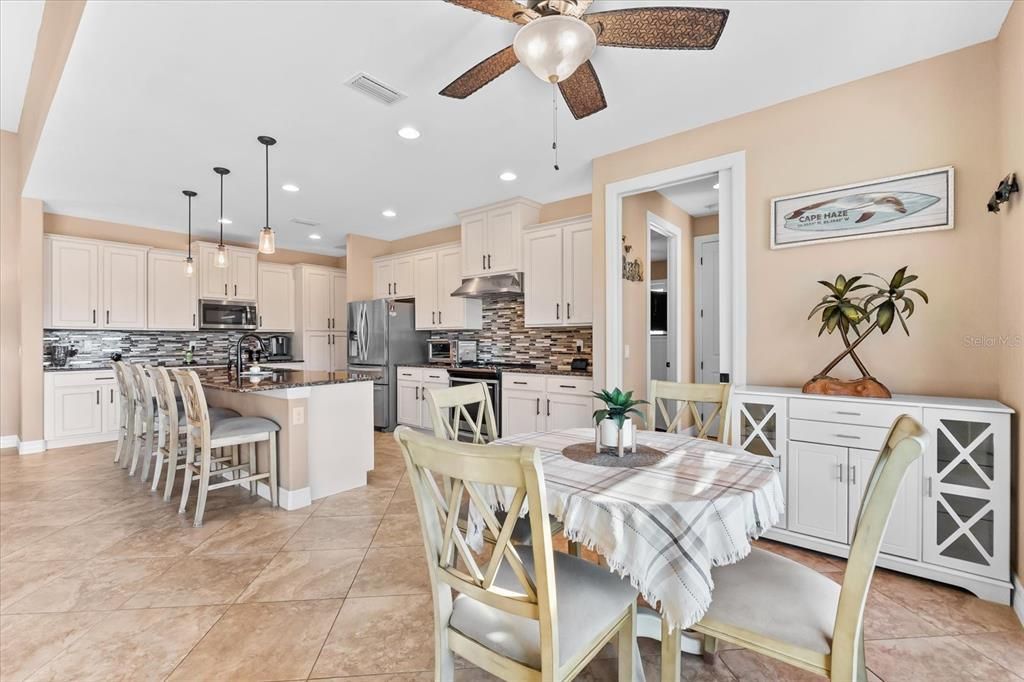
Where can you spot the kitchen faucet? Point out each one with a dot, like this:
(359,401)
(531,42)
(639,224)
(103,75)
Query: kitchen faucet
(238,349)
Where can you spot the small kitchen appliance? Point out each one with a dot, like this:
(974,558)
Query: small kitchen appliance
(214,314)
(466,351)
(439,350)
(280,347)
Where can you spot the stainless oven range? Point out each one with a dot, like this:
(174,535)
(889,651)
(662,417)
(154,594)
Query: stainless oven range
(488,374)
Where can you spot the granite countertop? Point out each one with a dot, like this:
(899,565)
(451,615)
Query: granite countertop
(219,378)
(106,364)
(554,371)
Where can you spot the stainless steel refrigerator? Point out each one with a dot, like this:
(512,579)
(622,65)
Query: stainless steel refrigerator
(381,336)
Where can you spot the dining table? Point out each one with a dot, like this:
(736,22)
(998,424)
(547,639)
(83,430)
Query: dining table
(691,504)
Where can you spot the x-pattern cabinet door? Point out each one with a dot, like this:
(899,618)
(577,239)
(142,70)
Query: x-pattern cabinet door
(759,427)
(966,481)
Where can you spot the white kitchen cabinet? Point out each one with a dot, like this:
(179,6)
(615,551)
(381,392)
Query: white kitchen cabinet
(80,407)
(339,352)
(316,298)
(383,277)
(317,351)
(275,301)
(321,300)
(339,301)
(73,283)
(433,379)
(394,276)
(425,272)
(244,272)
(413,384)
(236,282)
(111,407)
(213,281)
(558,282)
(123,286)
(437,274)
(171,294)
(492,236)
(903,535)
(409,409)
(78,411)
(544,402)
(817,491)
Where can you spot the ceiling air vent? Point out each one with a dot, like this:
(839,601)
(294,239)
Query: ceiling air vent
(368,85)
(304,221)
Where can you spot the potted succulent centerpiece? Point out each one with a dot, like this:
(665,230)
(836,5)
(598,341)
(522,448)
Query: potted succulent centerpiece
(613,425)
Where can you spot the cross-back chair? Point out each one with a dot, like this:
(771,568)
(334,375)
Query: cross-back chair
(145,423)
(527,613)
(126,418)
(803,617)
(688,398)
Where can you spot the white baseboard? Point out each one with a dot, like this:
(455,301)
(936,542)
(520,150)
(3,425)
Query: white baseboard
(31,447)
(1018,598)
(289,500)
(9,441)
(88,439)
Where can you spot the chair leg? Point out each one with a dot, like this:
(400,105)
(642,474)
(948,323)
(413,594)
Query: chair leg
(253,468)
(204,486)
(136,448)
(147,460)
(670,657)
(628,658)
(129,440)
(709,649)
(186,485)
(574,548)
(272,463)
(172,470)
(165,437)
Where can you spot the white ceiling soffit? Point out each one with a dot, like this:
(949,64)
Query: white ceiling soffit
(19,27)
(696,197)
(157,93)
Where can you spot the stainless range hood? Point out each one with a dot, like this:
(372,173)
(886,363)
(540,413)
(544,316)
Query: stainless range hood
(508,284)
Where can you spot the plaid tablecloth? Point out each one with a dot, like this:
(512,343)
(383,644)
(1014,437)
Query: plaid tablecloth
(664,525)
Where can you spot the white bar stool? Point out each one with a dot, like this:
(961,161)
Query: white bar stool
(144,422)
(126,419)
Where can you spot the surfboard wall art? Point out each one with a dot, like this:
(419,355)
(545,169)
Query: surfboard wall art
(921,201)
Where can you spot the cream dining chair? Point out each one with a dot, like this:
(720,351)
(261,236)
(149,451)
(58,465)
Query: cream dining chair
(449,409)
(777,607)
(528,613)
(126,417)
(688,398)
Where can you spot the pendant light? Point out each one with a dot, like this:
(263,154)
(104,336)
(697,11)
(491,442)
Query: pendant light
(221,261)
(266,233)
(189,267)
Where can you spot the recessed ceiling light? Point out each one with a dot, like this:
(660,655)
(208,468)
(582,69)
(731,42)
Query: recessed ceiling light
(224,221)
(408,132)
(314,236)
(716,186)
(388,213)
(290,188)
(508,176)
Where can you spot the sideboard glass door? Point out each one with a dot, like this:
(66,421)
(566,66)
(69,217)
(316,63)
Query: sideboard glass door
(759,427)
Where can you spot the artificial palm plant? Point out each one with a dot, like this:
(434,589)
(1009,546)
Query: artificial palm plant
(877,308)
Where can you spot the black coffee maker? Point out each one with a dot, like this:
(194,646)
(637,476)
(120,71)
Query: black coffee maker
(279,346)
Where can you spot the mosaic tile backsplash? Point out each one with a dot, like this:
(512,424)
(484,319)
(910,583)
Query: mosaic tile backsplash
(505,337)
(95,346)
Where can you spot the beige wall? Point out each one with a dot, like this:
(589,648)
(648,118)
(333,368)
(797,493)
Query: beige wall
(705,225)
(31,272)
(565,208)
(10,291)
(445,235)
(1010,226)
(929,114)
(72,226)
(360,252)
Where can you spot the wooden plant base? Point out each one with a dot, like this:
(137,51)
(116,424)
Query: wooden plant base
(865,387)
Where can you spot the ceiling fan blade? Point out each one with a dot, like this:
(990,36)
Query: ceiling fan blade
(582,92)
(659,28)
(481,74)
(509,10)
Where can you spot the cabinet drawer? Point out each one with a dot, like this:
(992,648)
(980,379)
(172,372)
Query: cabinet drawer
(860,412)
(830,433)
(83,378)
(410,373)
(522,382)
(435,376)
(574,385)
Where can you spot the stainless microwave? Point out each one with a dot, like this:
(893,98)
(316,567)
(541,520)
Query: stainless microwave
(439,350)
(227,315)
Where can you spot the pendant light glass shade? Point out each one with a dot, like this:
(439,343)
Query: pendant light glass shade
(266,240)
(221,260)
(267,233)
(554,47)
(189,267)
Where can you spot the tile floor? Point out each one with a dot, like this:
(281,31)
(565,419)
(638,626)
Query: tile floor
(100,580)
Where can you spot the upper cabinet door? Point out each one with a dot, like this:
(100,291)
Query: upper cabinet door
(213,281)
(74,284)
(578,283)
(474,256)
(243,267)
(543,278)
(339,302)
(171,294)
(276,298)
(318,304)
(124,287)
(454,312)
(383,278)
(501,243)
(425,265)
(403,284)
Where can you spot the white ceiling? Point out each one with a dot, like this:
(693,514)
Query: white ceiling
(157,93)
(696,197)
(19,26)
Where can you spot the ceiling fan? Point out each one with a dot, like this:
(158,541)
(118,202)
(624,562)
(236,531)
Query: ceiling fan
(557,39)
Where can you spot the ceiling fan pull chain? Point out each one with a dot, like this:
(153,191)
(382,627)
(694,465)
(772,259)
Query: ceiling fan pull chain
(554,121)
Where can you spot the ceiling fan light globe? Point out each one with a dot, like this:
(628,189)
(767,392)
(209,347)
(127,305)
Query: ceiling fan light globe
(553,47)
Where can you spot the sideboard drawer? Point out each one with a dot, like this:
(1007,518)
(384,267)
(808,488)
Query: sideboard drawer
(570,385)
(831,433)
(863,412)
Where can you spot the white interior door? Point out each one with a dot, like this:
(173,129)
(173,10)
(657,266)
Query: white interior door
(708,361)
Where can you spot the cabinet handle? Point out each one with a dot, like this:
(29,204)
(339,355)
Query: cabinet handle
(564,386)
(483,262)
(538,399)
(853,474)
(225,288)
(439,317)
(928,486)
(557,317)
(108,317)
(839,468)
(111,396)
(521,383)
(396,287)
(417,393)
(488,261)
(94,317)
(568,311)
(432,315)
(549,407)
(847,413)
(261,321)
(193,319)
(236,290)
(97,397)
(846,436)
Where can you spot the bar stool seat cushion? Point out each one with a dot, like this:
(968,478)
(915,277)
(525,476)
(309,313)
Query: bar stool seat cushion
(234,427)
(589,598)
(216,414)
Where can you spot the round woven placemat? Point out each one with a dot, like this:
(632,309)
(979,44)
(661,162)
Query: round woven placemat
(584,453)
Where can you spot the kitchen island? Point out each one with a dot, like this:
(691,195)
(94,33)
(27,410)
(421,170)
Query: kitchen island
(325,444)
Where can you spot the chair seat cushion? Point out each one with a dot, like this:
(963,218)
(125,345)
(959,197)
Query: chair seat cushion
(216,414)
(233,427)
(776,597)
(590,598)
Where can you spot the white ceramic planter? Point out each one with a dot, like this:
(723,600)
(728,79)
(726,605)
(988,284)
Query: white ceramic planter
(610,434)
